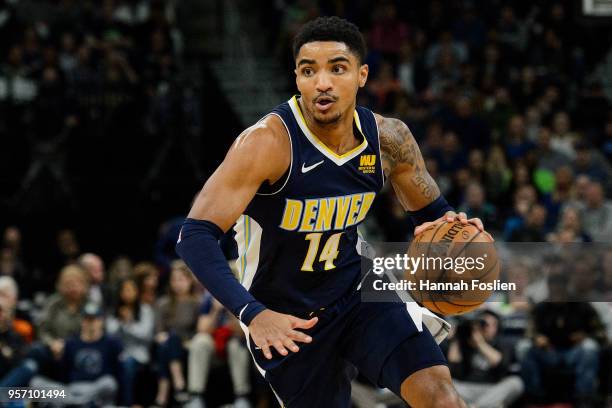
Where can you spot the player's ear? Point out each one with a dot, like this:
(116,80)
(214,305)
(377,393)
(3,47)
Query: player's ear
(363,75)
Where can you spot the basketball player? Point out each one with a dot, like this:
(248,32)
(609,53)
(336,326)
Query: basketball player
(296,185)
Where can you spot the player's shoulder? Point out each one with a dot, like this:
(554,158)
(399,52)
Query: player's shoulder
(263,149)
(269,135)
(392,130)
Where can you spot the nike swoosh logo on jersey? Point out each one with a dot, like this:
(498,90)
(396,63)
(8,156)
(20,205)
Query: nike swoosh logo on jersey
(306,169)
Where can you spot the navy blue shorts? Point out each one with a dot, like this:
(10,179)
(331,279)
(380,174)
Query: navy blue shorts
(379,340)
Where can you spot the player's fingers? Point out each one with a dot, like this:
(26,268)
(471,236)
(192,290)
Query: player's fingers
(462,217)
(299,336)
(477,222)
(266,351)
(290,345)
(422,227)
(303,324)
(450,216)
(490,236)
(278,345)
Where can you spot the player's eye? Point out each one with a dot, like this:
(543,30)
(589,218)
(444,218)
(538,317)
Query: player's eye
(307,71)
(338,69)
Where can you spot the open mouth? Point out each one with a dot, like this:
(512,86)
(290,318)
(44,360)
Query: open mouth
(324,103)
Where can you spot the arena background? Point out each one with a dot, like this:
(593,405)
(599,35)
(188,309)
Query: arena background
(114,113)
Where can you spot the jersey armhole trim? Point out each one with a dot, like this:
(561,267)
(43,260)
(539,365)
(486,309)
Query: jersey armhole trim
(291,160)
(382,169)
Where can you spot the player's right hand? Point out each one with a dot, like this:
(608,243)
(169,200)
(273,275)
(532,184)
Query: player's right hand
(271,329)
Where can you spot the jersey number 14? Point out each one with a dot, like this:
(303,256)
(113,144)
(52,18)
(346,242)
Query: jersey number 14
(328,254)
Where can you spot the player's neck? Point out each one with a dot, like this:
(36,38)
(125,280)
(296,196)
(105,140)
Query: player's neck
(338,136)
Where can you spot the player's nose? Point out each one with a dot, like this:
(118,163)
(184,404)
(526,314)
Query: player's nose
(324,82)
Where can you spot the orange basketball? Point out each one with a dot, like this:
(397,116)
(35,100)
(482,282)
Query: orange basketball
(457,270)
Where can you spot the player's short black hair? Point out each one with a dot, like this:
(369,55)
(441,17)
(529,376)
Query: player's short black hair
(331,29)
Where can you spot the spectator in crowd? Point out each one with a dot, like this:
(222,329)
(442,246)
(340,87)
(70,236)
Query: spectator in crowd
(11,262)
(476,165)
(60,318)
(218,328)
(147,277)
(517,305)
(99,292)
(596,213)
(517,144)
(384,86)
(388,31)
(120,269)
(471,129)
(533,123)
(450,156)
(13,344)
(61,315)
(11,238)
(498,174)
(176,318)
(524,198)
(533,229)
(9,292)
(563,139)
(133,323)
(549,158)
(90,363)
(475,205)
(479,363)
(570,222)
(68,246)
(562,336)
(11,266)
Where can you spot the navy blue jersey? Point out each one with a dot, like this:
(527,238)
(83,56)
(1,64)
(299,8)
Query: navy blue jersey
(297,239)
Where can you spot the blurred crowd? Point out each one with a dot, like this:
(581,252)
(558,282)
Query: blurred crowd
(502,99)
(81,81)
(133,334)
(511,123)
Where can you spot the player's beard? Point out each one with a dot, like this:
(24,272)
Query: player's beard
(326,120)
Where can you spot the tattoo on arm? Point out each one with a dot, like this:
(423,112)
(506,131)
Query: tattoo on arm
(395,144)
(400,155)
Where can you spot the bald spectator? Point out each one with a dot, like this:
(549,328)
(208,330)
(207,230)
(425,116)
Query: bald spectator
(9,294)
(99,292)
(596,213)
(12,344)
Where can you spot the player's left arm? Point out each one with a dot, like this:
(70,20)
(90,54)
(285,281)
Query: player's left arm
(416,190)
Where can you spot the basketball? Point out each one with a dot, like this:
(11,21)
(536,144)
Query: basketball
(458,268)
